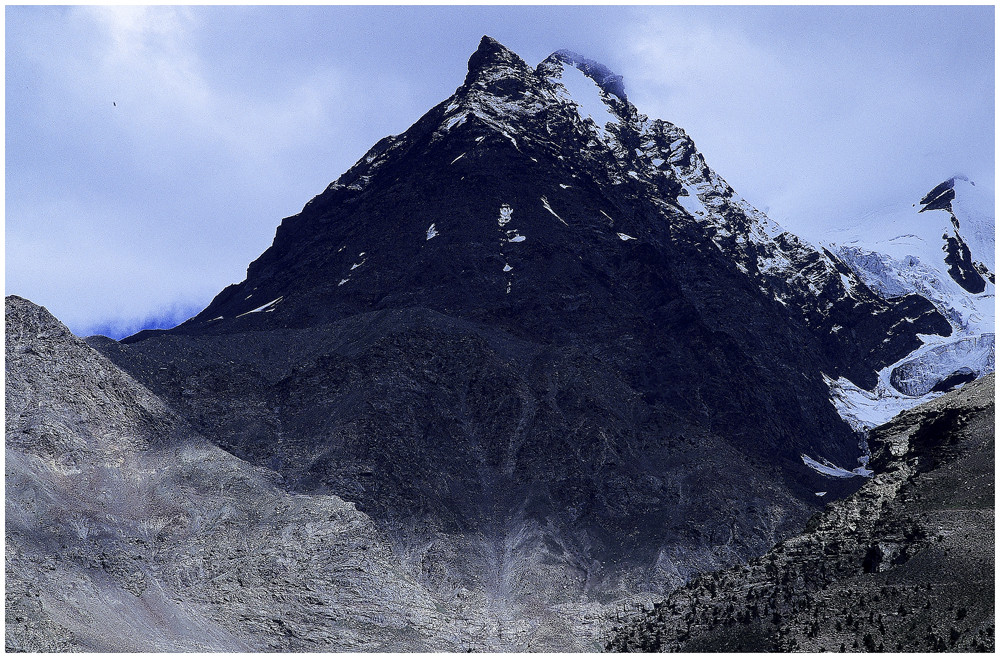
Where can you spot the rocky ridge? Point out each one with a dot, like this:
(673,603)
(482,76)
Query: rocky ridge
(594,137)
(904,564)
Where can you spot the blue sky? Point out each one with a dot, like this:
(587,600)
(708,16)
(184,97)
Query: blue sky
(152,151)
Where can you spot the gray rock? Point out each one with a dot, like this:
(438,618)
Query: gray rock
(127,531)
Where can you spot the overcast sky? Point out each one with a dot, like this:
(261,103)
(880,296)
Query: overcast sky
(151,152)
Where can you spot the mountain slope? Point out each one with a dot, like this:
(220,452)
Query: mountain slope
(126,531)
(904,564)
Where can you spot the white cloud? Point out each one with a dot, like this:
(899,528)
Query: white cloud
(811,129)
(133,162)
(147,62)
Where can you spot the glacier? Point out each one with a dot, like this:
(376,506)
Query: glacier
(909,249)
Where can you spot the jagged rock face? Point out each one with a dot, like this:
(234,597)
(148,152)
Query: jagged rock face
(904,564)
(537,317)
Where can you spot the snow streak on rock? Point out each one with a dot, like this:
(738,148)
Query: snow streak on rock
(545,203)
(827,468)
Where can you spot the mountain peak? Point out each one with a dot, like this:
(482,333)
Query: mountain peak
(491,53)
(940,197)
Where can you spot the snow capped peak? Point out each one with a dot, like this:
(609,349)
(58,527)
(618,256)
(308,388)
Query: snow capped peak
(973,208)
(949,233)
(944,193)
(943,249)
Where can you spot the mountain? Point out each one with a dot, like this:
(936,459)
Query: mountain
(904,564)
(557,361)
(941,248)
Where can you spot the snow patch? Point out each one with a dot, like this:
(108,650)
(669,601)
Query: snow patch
(625,237)
(828,468)
(343,281)
(507,268)
(862,409)
(506,212)
(588,98)
(432,232)
(457,159)
(456,121)
(513,141)
(268,307)
(917,373)
(691,203)
(519,238)
(926,367)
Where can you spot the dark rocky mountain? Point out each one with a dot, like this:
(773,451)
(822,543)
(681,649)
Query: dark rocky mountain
(511,183)
(543,346)
(904,564)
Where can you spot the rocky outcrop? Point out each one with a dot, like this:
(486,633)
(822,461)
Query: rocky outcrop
(904,564)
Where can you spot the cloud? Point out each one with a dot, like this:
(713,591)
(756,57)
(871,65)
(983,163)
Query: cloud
(133,161)
(145,61)
(809,120)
